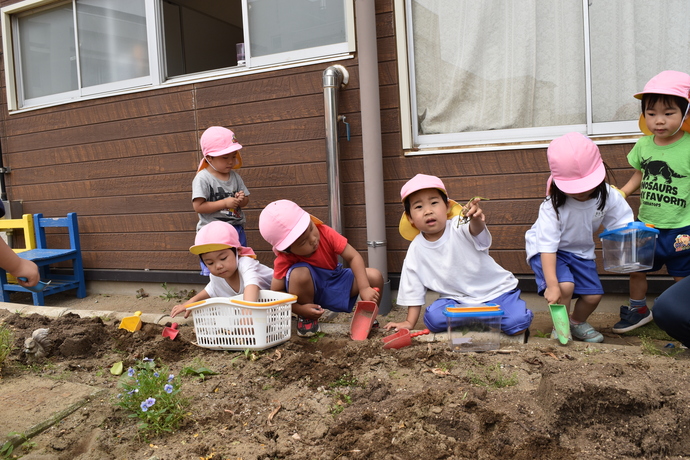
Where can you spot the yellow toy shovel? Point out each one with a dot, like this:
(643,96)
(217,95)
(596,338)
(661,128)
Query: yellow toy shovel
(131,323)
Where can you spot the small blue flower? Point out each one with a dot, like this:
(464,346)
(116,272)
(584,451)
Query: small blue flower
(156,374)
(143,406)
(168,388)
(150,402)
(171,377)
(130,372)
(120,395)
(147,359)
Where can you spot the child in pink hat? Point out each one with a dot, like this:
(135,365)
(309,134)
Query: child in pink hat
(218,192)
(450,255)
(560,244)
(662,173)
(233,268)
(307,266)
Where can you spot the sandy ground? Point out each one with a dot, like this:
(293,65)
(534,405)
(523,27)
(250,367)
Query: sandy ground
(331,397)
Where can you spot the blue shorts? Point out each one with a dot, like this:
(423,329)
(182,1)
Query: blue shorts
(516,315)
(570,269)
(673,250)
(331,287)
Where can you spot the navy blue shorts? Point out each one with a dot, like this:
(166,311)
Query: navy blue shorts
(673,250)
(331,287)
(516,315)
(570,269)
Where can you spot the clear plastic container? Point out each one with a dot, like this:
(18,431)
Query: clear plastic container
(475,328)
(629,248)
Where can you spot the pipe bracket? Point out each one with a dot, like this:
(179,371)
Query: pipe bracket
(375,244)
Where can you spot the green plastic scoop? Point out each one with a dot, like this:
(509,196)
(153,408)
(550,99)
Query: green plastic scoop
(559,316)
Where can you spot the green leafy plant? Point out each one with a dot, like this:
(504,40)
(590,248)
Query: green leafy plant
(153,396)
(346,380)
(492,376)
(201,372)
(543,335)
(317,336)
(171,294)
(15,439)
(6,343)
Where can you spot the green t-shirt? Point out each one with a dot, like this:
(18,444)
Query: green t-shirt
(665,187)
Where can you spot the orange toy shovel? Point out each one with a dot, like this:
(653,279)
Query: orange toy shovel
(401,339)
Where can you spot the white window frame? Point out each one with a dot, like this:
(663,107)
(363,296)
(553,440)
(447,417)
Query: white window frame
(507,139)
(156,45)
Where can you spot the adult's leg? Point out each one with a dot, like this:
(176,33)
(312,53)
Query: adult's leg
(672,311)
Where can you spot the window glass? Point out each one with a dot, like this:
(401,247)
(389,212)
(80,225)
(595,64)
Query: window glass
(278,26)
(495,65)
(526,70)
(47,49)
(112,40)
(631,41)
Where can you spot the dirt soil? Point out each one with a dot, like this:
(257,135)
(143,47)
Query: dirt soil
(334,398)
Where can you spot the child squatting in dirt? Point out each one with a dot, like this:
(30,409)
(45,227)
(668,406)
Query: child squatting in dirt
(306,265)
(233,268)
(450,256)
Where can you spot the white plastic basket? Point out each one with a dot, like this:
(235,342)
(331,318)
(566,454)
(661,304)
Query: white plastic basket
(235,324)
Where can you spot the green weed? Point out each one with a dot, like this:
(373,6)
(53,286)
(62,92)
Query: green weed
(171,294)
(650,330)
(6,343)
(492,376)
(317,336)
(649,347)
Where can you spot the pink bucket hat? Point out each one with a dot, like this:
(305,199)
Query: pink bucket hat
(417,183)
(282,222)
(669,82)
(575,163)
(217,141)
(217,236)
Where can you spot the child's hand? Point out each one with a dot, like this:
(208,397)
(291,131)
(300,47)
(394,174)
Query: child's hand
(472,210)
(310,311)
(553,294)
(29,270)
(371,294)
(231,202)
(398,326)
(177,309)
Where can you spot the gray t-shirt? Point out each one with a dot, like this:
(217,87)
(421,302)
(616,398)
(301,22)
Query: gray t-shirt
(210,188)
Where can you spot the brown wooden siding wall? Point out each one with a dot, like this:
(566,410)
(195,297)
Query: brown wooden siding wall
(125,164)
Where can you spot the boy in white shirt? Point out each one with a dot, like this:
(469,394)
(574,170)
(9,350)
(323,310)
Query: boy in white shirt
(451,257)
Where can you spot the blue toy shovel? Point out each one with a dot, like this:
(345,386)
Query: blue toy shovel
(559,316)
(38,287)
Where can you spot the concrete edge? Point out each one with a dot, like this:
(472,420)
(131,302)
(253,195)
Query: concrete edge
(57,312)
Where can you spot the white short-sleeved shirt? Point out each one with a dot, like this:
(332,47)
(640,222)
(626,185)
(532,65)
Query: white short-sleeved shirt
(457,266)
(251,272)
(573,230)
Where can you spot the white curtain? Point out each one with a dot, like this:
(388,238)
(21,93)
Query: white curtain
(496,64)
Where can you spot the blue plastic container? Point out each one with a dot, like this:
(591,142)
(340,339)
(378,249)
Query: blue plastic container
(629,248)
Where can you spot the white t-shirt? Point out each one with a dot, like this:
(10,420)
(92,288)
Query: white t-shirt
(457,266)
(251,272)
(573,230)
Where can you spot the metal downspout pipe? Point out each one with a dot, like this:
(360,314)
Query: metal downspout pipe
(367,54)
(334,77)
